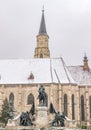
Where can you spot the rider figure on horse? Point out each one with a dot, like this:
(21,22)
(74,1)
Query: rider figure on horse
(42,96)
(41,90)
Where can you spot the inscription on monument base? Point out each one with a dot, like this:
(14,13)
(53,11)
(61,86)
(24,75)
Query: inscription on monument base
(42,116)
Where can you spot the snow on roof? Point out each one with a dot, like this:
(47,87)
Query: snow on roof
(17,71)
(60,71)
(83,78)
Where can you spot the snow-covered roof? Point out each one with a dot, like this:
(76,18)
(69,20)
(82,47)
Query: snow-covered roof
(83,78)
(17,71)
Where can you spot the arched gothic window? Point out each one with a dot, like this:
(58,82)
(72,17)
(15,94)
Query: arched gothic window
(11,98)
(90,106)
(30,99)
(73,107)
(41,55)
(65,105)
(82,108)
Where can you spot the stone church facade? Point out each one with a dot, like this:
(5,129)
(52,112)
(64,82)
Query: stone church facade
(67,87)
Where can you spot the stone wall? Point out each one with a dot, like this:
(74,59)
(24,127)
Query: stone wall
(55,95)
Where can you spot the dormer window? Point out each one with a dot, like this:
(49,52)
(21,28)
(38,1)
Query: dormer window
(31,76)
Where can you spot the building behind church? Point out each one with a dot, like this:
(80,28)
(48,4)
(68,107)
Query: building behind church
(67,87)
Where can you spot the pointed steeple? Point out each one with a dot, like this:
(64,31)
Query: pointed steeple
(42,30)
(85,62)
(42,48)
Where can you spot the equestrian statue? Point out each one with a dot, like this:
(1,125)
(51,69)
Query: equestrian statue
(42,96)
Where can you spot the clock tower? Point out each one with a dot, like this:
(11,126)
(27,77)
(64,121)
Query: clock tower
(42,49)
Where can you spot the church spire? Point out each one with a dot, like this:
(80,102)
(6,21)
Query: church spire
(42,29)
(42,49)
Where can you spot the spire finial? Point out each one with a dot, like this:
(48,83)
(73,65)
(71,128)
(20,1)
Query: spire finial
(43,9)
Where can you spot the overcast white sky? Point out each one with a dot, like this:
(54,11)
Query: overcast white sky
(68,25)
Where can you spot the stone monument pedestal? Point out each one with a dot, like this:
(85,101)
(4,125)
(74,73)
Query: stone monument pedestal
(42,118)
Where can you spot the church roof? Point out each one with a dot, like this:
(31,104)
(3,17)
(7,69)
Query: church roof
(42,30)
(81,76)
(34,71)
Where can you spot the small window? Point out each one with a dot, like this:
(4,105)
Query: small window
(30,99)
(65,105)
(82,109)
(73,108)
(11,98)
(90,105)
(41,55)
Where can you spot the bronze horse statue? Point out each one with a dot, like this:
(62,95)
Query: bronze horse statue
(42,96)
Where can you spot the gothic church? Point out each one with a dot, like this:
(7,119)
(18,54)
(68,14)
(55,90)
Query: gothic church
(67,87)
